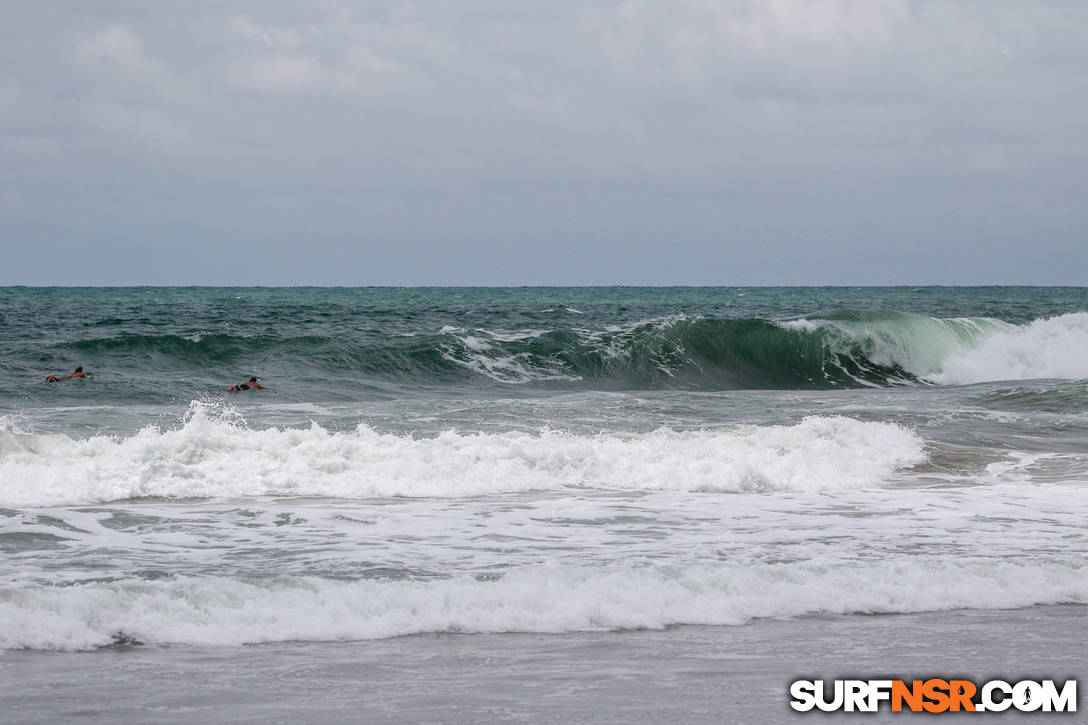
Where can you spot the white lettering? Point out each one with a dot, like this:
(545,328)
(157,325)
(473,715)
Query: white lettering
(804,695)
(856,696)
(879,691)
(1064,701)
(830,705)
(1027,696)
(988,701)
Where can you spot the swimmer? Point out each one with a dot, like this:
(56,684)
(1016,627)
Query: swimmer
(250,384)
(77,374)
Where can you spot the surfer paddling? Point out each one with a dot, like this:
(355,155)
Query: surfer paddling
(250,384)
(56,379)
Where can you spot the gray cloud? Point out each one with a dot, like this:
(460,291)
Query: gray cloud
(696,141)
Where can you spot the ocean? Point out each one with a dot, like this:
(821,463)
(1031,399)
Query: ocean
(532,504)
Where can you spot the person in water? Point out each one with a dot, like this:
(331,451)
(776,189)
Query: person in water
(77,374)
(250,384)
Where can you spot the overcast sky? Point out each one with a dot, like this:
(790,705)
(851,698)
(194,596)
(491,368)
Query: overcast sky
(498,142)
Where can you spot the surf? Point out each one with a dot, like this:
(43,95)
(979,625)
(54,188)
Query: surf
(214,454)
(842,349)
(215,611)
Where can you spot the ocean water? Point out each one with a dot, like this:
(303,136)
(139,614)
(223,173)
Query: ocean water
(526,461)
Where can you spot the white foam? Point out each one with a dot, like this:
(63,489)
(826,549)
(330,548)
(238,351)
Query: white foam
(513,368)
(515,335)
(216,611)
(962,351)
(214,454)
(14,424)
(477,344)
(1056,347)
(516,368)
(916,343)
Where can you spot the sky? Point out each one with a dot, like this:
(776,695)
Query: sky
(467,142)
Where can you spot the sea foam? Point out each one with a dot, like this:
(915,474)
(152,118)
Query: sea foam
(1056,347)
(958,351)
(215,455)
(217,611)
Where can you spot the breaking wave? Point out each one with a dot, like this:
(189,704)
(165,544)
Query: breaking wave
(1052,348)
(218,611)
(214,456)
(841,349)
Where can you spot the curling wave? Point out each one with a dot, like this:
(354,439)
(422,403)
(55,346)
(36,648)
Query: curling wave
(841,349)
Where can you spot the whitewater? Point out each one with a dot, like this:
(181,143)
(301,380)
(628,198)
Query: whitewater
(497,466)
(210,458)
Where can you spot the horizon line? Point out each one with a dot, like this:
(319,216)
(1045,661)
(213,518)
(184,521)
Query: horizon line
(535,286)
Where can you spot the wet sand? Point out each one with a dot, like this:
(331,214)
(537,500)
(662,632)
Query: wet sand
(679,675)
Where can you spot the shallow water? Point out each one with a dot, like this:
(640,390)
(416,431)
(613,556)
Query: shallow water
(678,675)
(532,461)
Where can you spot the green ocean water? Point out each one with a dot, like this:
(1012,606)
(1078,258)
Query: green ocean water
(150,345)
(532,460)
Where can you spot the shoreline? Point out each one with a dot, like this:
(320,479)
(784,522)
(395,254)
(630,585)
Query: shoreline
(684,674)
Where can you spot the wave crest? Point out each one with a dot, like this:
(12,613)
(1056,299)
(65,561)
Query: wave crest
(1056,347)
(216,611)
(848,348)
(214,456)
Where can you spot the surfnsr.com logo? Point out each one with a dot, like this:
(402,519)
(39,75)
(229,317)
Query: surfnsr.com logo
(933,695)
